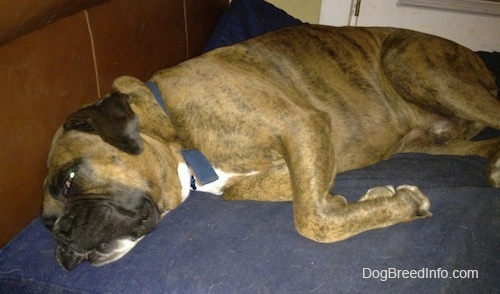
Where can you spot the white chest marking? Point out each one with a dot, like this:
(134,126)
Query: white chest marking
(215,187)
(185,179)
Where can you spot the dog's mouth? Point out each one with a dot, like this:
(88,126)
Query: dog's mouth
(68,258)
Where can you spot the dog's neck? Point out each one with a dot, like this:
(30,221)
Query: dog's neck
(153,87)
(189,181)
(195,171)
(196,168)
(200,166)
(185,177)
(198,163)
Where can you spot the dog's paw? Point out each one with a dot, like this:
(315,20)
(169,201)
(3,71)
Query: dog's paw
(494,172)
(415,199)
(378,192)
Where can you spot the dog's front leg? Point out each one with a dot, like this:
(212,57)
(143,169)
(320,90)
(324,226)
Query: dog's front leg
(325,218)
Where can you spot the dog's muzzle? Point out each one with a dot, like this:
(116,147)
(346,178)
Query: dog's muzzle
(104,254)
(102,230)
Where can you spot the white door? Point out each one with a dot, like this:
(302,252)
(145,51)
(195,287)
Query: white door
(473,30)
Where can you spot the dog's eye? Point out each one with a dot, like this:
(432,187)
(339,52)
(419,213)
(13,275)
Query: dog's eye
(68,182)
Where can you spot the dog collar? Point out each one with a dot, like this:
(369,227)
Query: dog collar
(201,167)
(156,92)
(199,164)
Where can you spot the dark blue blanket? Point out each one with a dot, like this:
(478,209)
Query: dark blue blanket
(209,245)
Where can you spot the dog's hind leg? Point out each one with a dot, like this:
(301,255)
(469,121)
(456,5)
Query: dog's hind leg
(421,142)
(449,80)
(325,218)
(442,77)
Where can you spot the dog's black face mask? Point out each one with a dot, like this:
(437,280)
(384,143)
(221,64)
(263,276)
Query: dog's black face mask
(100,228)
(96,202)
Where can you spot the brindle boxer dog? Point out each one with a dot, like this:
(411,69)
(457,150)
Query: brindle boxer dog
(278,117)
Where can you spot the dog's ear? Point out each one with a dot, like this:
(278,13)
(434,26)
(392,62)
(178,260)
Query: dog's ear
(113,120)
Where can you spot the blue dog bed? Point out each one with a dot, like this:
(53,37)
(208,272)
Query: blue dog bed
(209,245)
(212,245)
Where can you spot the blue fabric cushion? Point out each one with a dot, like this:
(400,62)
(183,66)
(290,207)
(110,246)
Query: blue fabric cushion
(212,245)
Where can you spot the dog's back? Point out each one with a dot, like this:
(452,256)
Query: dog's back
(376,84)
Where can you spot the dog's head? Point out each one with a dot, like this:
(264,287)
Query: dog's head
(111,176)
